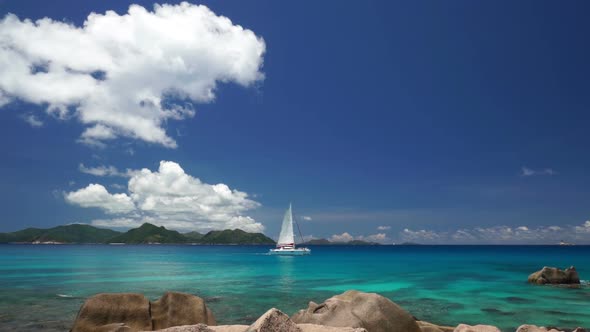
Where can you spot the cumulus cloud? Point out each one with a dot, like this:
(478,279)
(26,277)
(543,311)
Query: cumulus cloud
(32,120)
(347,237)
(344,237)
(105,171)
(171,198)
(126,75)
(525,171)
(422,234)
(383,228)
(97,196)
(502,235)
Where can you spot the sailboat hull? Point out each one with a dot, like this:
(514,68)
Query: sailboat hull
(290,251)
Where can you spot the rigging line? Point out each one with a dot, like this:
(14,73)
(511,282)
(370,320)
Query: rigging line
(299,229)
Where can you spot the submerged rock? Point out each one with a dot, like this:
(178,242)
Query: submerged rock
(174,309)
(552,275)
(357,309)
(476,328)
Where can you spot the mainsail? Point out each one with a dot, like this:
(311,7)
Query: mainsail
(286,237)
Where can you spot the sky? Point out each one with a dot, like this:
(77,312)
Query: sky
(422,121)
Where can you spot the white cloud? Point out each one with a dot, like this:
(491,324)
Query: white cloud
(32,120)
(410,235)
(307,218)
(525,171)
(503,235)
(344,237)
(379,237)
(105,171)
(174,199)
(584,228)
(347,237)
(383,228)
(96,195)
(126,75)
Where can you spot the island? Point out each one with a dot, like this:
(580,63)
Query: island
(144,234)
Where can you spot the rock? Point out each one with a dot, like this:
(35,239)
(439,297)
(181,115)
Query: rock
(357,309)
(127,312)
(534,328)
(323,328)
(229,328)
(552,275)
(429,327)
(114,313)
(476,328)
(176,309)
(189,328)
(274,320)
(115,327)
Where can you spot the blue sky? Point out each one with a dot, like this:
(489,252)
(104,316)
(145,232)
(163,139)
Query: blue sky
(461,122)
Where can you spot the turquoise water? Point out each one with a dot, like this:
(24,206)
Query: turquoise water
(42,287)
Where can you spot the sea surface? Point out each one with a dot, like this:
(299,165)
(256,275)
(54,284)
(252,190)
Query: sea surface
(43,286)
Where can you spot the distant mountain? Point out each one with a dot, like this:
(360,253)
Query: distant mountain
(409,244)
(75,233)
(194,235)
(361,243)
(318,242)
(148,233)
(236,236)
(325,242)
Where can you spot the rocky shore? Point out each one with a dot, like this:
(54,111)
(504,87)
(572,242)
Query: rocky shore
(351,311)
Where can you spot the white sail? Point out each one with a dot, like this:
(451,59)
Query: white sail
(286,237)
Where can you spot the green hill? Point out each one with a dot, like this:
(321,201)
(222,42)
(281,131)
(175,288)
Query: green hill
(75,233)
(236,236)
(194,236)
(148,233)
(25,235)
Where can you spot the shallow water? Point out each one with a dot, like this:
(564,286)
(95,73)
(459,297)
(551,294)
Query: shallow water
(42,286)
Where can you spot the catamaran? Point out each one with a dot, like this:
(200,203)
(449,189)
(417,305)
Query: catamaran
(286,243)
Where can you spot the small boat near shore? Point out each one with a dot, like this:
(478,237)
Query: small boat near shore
(286,243)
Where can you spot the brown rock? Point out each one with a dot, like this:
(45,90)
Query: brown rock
(229,328)
(534,328)
(189,328)
(274,320)
(476,328)
(323,328)
(429,327)
(357,309)
(176,309)
(114,313)
(552,275)
(115,327)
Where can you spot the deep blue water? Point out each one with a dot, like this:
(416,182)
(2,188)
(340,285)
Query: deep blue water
(442,284)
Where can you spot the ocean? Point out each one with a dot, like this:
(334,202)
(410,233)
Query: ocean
(43,286)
